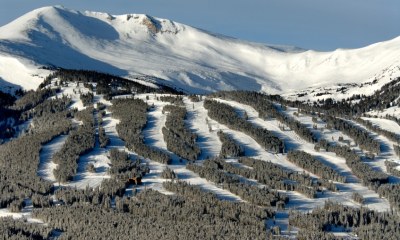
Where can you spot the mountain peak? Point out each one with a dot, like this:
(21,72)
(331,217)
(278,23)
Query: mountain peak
(191,59)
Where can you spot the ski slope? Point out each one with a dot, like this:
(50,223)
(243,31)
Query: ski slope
(295,142)
(206,128)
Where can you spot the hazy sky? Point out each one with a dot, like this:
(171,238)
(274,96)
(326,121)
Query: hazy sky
(312,24)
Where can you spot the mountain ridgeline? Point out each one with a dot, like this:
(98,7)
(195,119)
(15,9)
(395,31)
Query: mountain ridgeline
(132,126)
(197,61)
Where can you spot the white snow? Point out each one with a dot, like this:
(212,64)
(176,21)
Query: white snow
(207,140)
(189,58)
(153,137)
(385,124)
(293,141)
(46,165)
(197,61)
(16,72)
(26,213)
(73,91)
(97,156)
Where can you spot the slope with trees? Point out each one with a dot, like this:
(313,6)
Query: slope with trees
(227,115)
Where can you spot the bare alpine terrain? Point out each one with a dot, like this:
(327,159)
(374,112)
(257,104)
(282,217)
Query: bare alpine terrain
(135,127)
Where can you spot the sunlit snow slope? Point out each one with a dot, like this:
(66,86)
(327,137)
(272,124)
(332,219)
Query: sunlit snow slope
(188,58)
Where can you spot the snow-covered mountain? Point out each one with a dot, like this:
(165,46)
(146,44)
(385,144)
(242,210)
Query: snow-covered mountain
(192,59)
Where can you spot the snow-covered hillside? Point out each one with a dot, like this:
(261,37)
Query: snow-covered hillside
(195,60)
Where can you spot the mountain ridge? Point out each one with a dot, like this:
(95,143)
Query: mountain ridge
(188,58)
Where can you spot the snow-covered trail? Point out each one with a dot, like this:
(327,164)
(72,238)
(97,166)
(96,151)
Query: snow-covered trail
(387,151)
(333,135)
(98,157)
(46,165)
(385,124)
(73,90)
(153,137)
(293,141)
(26,213)
(207,140)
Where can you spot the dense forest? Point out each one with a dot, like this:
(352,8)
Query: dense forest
(190,214)
(229,147)
(19,158)
(367,224)
(106,84)
(177,136)
(310,163)
(143,194)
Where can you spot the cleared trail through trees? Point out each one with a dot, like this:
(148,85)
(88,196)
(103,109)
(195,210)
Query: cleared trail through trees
(153,136)
(251,147)
(207,140)
(46,165)
(387,151)
(339,164)
(333,135)
(97,156)
(385,124)
(25,214)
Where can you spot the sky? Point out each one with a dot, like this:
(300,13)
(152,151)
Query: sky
(311,24)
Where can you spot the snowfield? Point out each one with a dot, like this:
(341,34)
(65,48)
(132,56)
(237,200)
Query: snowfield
(153,51)
(185,57)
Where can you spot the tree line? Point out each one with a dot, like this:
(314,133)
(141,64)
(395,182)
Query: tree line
(266,109)
(20,158)
(359,135)
(229,148)
(58,104)
(310,163)
(362,170)
(175,100)
(396,149)
(106,84)
(21,230)
(280,178)
(354,106)
(104,140)
(395,137)
(227,115)
(87,98)
(391,167)
(14,111)
(79,142)
(132,114)
(32,98)
(213,171)
(177,136)
(259,196)
(366,223)
(123,167)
